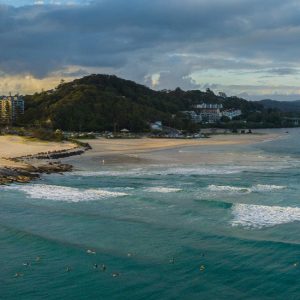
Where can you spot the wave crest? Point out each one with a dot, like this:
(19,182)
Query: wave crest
(267,187)
(193,171)
(161,189)
(235,189)
(228,188)
(63,193)
(259,216)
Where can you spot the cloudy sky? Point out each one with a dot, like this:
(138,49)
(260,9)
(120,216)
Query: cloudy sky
(242,47)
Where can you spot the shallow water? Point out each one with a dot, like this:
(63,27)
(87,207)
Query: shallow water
(170,231)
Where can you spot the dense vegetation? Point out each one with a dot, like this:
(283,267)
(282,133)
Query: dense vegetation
(284,106)
(104,102)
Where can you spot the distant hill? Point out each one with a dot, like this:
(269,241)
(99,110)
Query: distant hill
(105,102)
(284,106)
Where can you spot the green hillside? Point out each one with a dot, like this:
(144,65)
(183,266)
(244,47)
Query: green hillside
(105,102)
(284,106)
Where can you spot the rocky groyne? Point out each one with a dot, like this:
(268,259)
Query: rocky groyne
(52,155)
(29,173)
(47,164)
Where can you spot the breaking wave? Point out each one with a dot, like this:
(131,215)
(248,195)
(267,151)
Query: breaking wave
(161,189)
(227,188)
(259,216)
(267,187)
(208,170)
(255,188)
(62,193)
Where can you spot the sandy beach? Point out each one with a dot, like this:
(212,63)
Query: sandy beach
(120,150)
(16,146)
(131,146)
(161,150)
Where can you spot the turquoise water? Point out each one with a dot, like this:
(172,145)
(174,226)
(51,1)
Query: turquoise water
(168,231)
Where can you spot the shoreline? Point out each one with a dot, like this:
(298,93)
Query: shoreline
(34,162)
(145,151)
(102,146)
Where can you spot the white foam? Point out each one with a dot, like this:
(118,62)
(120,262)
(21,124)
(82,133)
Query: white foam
(205,170)
(161,189)
(62,193)
(259,216)
(228,188)
(255,188)
(115,173)
(201,171)
(127,188)
(267,187)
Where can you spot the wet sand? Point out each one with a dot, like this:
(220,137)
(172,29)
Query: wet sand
(155,151)
(137,151)
(131,146)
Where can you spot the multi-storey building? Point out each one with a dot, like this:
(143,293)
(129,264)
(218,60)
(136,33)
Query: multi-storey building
(208,106)
(211,113)
(5,109)
(11,107)
(232,113)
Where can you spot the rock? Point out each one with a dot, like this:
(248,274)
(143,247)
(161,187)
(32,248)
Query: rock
(54,168)
(30,172)
(20,175)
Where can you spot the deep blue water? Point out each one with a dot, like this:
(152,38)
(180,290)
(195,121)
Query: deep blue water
(190,231)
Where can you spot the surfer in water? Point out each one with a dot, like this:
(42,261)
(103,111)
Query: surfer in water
(68,269)
(172,260)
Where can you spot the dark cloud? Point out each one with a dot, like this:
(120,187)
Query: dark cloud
(137,38)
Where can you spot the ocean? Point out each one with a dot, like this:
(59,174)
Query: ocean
(215,230)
